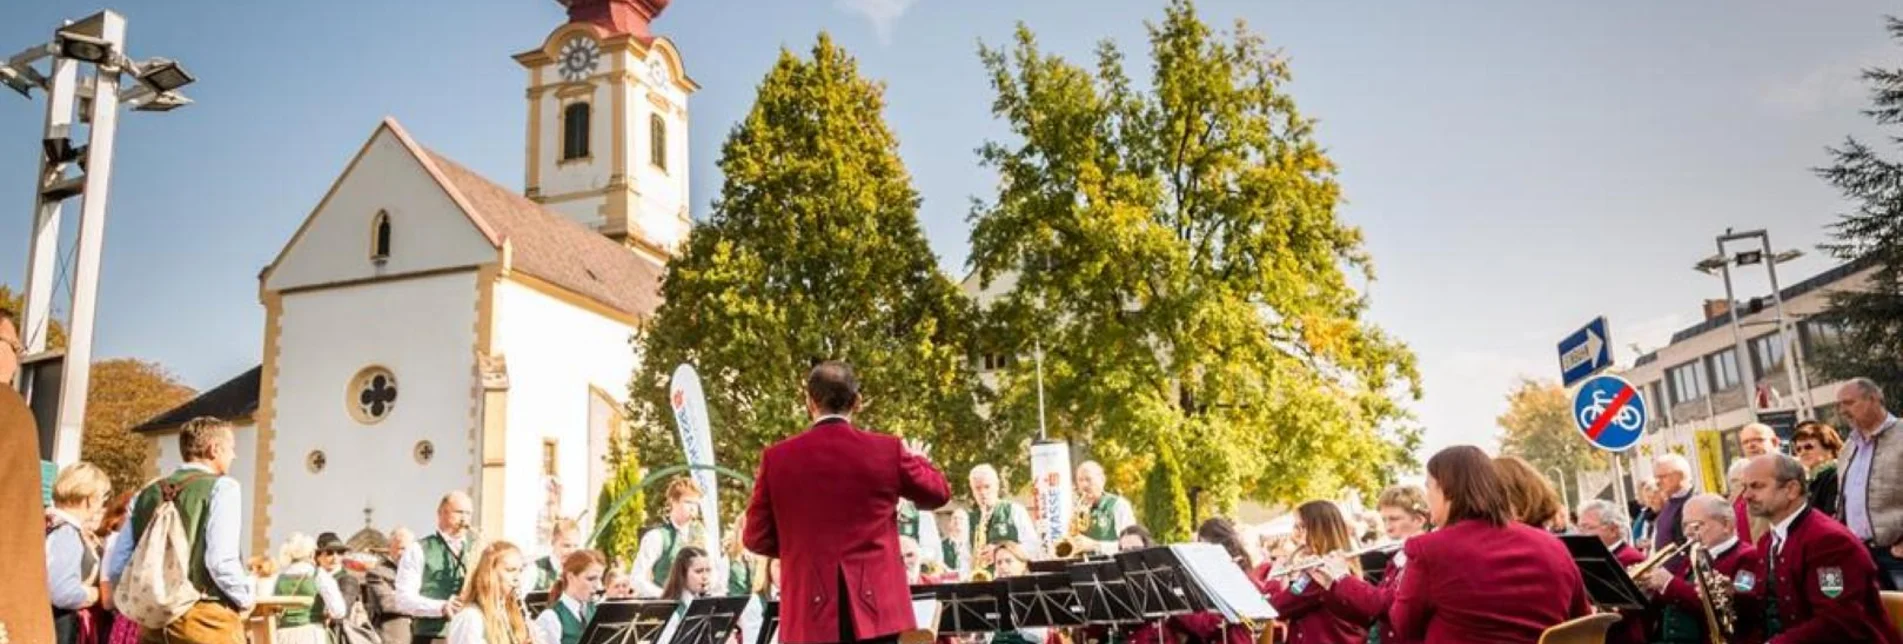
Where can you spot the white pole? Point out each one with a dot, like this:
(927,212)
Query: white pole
(43,256)
(1800,389)
(1738,358)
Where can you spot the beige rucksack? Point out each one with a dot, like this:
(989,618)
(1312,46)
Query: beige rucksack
(156,587)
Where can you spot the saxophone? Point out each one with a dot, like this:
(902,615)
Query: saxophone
(1075,543)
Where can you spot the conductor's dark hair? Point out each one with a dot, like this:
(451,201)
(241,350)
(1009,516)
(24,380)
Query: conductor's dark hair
(832,387)
(1473,488)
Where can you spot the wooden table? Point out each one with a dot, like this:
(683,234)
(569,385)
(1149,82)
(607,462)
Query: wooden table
(261,626)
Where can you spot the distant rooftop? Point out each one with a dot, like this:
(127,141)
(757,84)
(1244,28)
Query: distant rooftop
(1791,292)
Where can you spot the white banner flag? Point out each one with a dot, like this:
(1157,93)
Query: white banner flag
(690,415)
(1051,496)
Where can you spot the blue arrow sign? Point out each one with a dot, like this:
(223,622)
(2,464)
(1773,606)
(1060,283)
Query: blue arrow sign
(1610,412)
(1585,352)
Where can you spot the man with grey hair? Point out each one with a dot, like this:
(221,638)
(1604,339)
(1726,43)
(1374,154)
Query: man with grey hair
(1675,483)
(392,624)
(1818,583)
(1680,615)
(1606,520)
(995,518)
(1871,498)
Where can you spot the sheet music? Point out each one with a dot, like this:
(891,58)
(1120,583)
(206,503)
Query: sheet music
(1228,587)
(925,613)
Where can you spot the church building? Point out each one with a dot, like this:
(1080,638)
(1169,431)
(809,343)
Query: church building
(427,329)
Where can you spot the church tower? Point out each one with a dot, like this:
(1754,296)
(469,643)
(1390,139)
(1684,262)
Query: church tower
(607,125)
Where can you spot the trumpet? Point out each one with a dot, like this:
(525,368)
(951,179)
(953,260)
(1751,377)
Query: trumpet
(981,576)
(1306,564)
(1639,570)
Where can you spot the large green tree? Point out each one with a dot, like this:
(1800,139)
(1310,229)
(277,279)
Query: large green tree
(813,251)
(1177,252)
(1871,231)
(124,393)
(1538,426)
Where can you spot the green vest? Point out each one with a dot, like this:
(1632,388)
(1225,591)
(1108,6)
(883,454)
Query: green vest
(442,579)
(299,586)
(545,573)
(194,503)
(908,519)
(670,545)
(739,577)
(1000,527)
(1103,518)
(572,624)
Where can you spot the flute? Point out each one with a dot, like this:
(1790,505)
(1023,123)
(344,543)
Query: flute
(1311,563)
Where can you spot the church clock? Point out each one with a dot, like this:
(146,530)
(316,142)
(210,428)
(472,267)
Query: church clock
(580,55)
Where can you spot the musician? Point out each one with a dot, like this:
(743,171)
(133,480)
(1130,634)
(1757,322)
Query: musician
(1607,521)
(659,546)
(572,597)
(1680,618)
(1208,627)
(1106,514)
(691,577)
(1404,515)
(1532,497)
(1302,602)
(1817,582)
(564,538)
(766,588)
(742,567)
(995,520)
(490,609)
(1010,560)
(430,574)
(1482,577)
(825,502)
(1134,537)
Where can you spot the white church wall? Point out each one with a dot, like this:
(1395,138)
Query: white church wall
(556,351)
(428,230)
(663,191)
(244,469)
(423,331)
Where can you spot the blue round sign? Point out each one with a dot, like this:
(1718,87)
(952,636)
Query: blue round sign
(1610,412)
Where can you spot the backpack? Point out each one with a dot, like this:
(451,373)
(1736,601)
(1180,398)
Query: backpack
(156,587)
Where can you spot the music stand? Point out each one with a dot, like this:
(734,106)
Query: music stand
(1046,600)
(1155,582)
(536,601)
(629,622)
(1218,582)
(769,622)
(1374,565)
(1105,593)
(709,620)
(972,607)
(1607,583)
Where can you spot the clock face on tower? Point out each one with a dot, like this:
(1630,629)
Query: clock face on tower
(657,71)
(580,55)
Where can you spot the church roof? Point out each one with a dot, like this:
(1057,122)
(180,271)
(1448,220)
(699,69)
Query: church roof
(236,399)
(546,244)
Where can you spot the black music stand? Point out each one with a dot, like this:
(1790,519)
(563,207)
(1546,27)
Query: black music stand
(709,620)
(1104,592)
(536,602)
(1607,583)
(769,622)
(1044,601)
(1156,581)
(1374,565)
(629,622)
(1219,583)
(971,607)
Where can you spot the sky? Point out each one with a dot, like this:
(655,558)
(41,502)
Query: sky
(1517,168)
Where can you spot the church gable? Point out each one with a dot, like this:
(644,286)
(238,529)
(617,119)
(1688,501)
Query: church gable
(387,215)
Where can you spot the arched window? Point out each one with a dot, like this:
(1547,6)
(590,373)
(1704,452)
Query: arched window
(657,141)
(575,120)
(380,236)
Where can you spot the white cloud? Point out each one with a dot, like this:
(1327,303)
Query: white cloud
(883,14)
(1833,85)
(1647,335)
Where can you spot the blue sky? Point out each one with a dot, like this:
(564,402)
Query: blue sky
(1518,167)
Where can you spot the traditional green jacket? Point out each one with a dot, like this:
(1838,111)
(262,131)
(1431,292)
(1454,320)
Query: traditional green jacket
(299,586)
(443,573)
(1103,518)
(194,511)
(572,624)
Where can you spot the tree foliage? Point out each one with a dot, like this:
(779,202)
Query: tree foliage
(15,301)
(1871,231)
(813,251)
(1176,250)
(125,392)
(622,534)
(1538,426)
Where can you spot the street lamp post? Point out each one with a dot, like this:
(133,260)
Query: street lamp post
(1559,479)
(73,98)
(1793,366)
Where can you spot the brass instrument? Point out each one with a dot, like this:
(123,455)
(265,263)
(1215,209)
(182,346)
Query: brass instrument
(1075,543)
(1306,564)
(1638,570)
(1714,592)
(981,576)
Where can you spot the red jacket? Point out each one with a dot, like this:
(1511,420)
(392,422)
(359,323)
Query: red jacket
(1680,594)
(1631,626)
(1364,603)
(1306,613)
(824,503)
(1742,519)
(1205,628)
(1825,584)
(1478,583)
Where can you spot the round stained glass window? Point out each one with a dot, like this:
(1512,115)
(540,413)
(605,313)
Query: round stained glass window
(372,395)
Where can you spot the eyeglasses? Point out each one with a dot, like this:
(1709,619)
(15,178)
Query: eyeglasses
(1805,447)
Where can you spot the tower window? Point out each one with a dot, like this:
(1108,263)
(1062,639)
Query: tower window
(575,120)
(657,141)
(380,236)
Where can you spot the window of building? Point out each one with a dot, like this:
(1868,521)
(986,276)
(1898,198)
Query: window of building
(1688,381)
(575,119)
(380,236)
(1822,333)
(657,141)
(1767,353)
(423,452)
(371,396)
(1724,370)
(549,453)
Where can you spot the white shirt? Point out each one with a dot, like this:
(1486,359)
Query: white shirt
(465,628)
(409,579)
(334,606)
(1724,546)
(1783,529)
(650,551)
(551,624)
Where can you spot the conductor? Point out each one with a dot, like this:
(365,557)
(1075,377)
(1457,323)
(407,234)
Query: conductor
(825,503)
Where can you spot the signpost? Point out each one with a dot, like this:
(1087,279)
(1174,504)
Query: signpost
(1586,352)
(1610,412)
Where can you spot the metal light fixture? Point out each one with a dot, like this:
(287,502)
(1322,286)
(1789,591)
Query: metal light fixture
(1710,265)
(77,46)
(1787,256)
(15,81)
(60,150)
(164,75)
(165,102)
(1750,257)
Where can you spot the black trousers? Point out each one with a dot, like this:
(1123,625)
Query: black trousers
(848,634)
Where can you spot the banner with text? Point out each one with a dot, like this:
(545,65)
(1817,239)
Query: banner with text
(1051,496)
(690,416)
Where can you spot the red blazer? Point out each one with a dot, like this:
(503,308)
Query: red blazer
(1205,628)
(1681,595)
(1631,626)
(1741,520)
(1478,583)
(825,503)
(1308,618)
(1817,549)
(1364,603)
